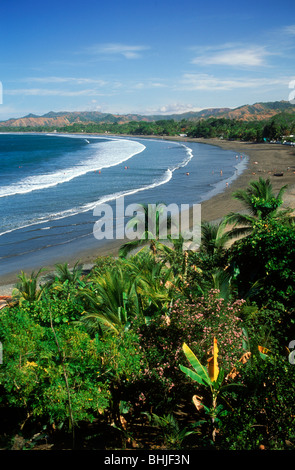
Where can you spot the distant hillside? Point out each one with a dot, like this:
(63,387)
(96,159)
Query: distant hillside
(257,111)
(59,119)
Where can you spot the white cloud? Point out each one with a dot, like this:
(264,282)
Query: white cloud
(7,111)
(249,57)
(215,47)
(70,80)
(191,81)
(125,50)
(172,108)
(290,30)
(147,84)
(51,92)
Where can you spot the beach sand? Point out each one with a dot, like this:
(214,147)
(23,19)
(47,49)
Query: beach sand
(265,160)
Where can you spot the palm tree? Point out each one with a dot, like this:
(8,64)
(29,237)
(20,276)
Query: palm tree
(175,254)
(212,257)
(214,239)
(260,203)
(27,288)
(155,283)
(64,280)
(222,281)
(140,286)
(110,303)
(63,273)
(149,223)
(175,246)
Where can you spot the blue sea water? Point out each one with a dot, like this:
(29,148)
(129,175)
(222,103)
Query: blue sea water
(50,185)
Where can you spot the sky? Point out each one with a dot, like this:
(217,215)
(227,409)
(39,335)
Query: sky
(144,57)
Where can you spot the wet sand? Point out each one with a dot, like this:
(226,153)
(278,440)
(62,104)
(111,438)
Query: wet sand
(265,160)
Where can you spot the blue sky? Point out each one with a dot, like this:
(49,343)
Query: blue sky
(155,57)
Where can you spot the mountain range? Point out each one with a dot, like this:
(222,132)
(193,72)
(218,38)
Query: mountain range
(257,111)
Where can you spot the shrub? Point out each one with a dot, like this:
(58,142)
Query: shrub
(52,373)
(266,256)
(195,323)
(263,415)
(60,310)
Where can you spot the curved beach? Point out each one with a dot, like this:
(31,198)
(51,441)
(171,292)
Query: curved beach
(265,160)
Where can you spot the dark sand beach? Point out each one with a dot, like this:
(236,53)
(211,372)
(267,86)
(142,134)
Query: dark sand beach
(265,160)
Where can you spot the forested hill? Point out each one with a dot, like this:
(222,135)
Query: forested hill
(255,112)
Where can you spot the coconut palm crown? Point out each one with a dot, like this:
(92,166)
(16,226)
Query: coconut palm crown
(261,203)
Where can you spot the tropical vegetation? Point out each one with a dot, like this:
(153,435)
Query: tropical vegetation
(280,127)
(162,347)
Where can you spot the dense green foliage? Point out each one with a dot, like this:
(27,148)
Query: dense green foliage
(279,127)
(103,351)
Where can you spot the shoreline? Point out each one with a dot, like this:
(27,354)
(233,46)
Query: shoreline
(264,161)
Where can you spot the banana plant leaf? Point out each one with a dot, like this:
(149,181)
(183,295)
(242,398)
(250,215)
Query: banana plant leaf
(200,373)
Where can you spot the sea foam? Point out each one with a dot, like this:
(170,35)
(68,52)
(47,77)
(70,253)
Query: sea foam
(114,152)
(103,155)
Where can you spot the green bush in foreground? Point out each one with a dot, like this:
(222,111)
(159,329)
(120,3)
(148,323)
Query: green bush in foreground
(53,373)
(264,265)
(263,413)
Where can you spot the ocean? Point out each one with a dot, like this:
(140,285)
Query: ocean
(50,185)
